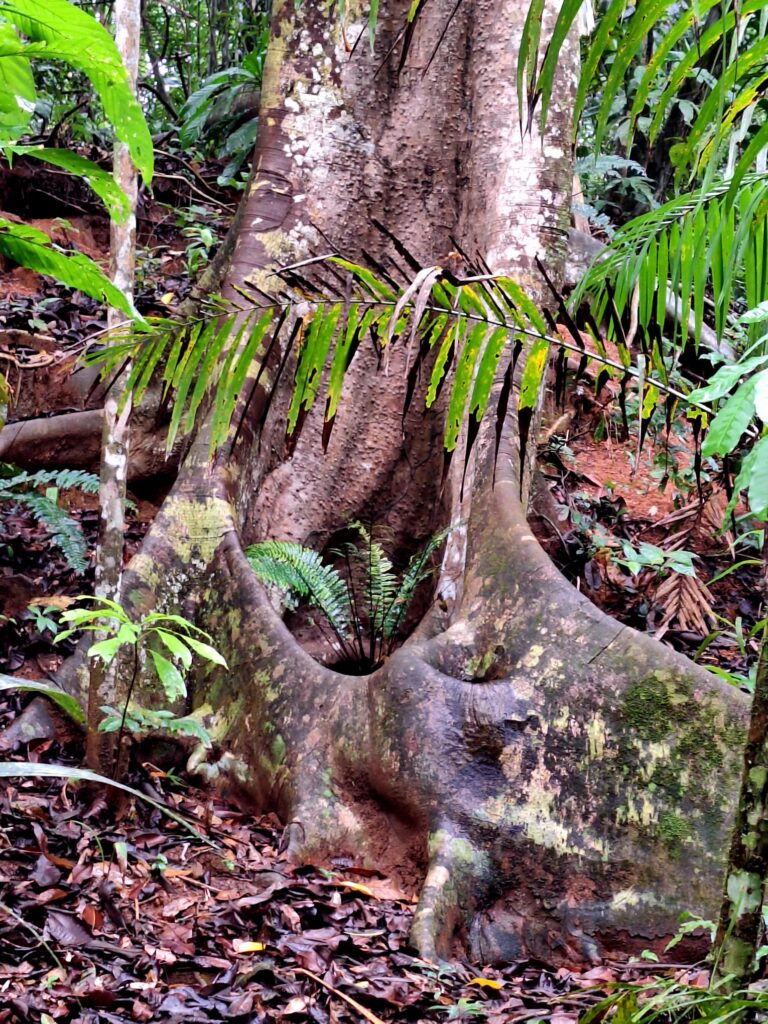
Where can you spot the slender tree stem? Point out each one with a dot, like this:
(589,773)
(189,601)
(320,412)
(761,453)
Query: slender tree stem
(740,925)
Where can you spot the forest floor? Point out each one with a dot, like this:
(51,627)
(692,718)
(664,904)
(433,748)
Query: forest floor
(130,915)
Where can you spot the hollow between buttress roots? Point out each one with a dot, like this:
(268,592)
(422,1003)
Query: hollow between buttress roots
(307,625)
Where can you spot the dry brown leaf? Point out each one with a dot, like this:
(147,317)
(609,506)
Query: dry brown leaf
(686,602)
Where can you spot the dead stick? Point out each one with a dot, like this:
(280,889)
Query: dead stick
(367,1014)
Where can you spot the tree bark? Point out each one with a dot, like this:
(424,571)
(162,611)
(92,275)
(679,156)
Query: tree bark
(741,914)
(101,748)
(554,783)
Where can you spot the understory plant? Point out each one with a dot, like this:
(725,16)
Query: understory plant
(167,642)
(37,493)
(364,608)
(223,112)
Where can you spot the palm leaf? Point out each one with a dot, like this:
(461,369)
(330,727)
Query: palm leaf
(34,770)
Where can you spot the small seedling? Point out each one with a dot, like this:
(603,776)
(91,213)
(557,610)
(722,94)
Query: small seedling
(170,641)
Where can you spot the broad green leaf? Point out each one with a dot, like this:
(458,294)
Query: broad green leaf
(67,703)
(170,677)
(31,248)
(757,315)
(721,382)
(206,651)
(731,422)
(757,479)
(176,646)
(102,182)
(59,30)
(17,86)
(106,649)
(163,618)
(761,396)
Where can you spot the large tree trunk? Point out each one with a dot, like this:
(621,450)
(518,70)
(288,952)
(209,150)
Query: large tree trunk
(560,785)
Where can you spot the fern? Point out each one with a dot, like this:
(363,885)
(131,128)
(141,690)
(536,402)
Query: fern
(417,571)
(299,571)
(63,479)
(65,531)
(379,584)
(364,612)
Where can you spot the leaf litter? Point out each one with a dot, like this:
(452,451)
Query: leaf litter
(105,920)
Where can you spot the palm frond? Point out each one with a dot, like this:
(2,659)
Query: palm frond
(700,243)
(61,479)
(470,326)
(661,27)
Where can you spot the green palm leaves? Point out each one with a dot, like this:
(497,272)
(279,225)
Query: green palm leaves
(695,249)
(710,240)
(721,45)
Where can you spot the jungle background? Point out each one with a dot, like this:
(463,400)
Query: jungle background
(118,912)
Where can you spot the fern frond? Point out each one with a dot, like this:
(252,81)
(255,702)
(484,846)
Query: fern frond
(418,569)
(63,479)
(379,579)
(65,532)
(300,571)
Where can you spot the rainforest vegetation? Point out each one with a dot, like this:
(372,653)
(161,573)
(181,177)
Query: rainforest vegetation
(384,626)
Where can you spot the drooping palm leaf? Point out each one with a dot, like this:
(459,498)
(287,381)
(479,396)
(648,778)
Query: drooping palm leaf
(218,361)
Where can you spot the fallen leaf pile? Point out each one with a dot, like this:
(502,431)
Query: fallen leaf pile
(105,920)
